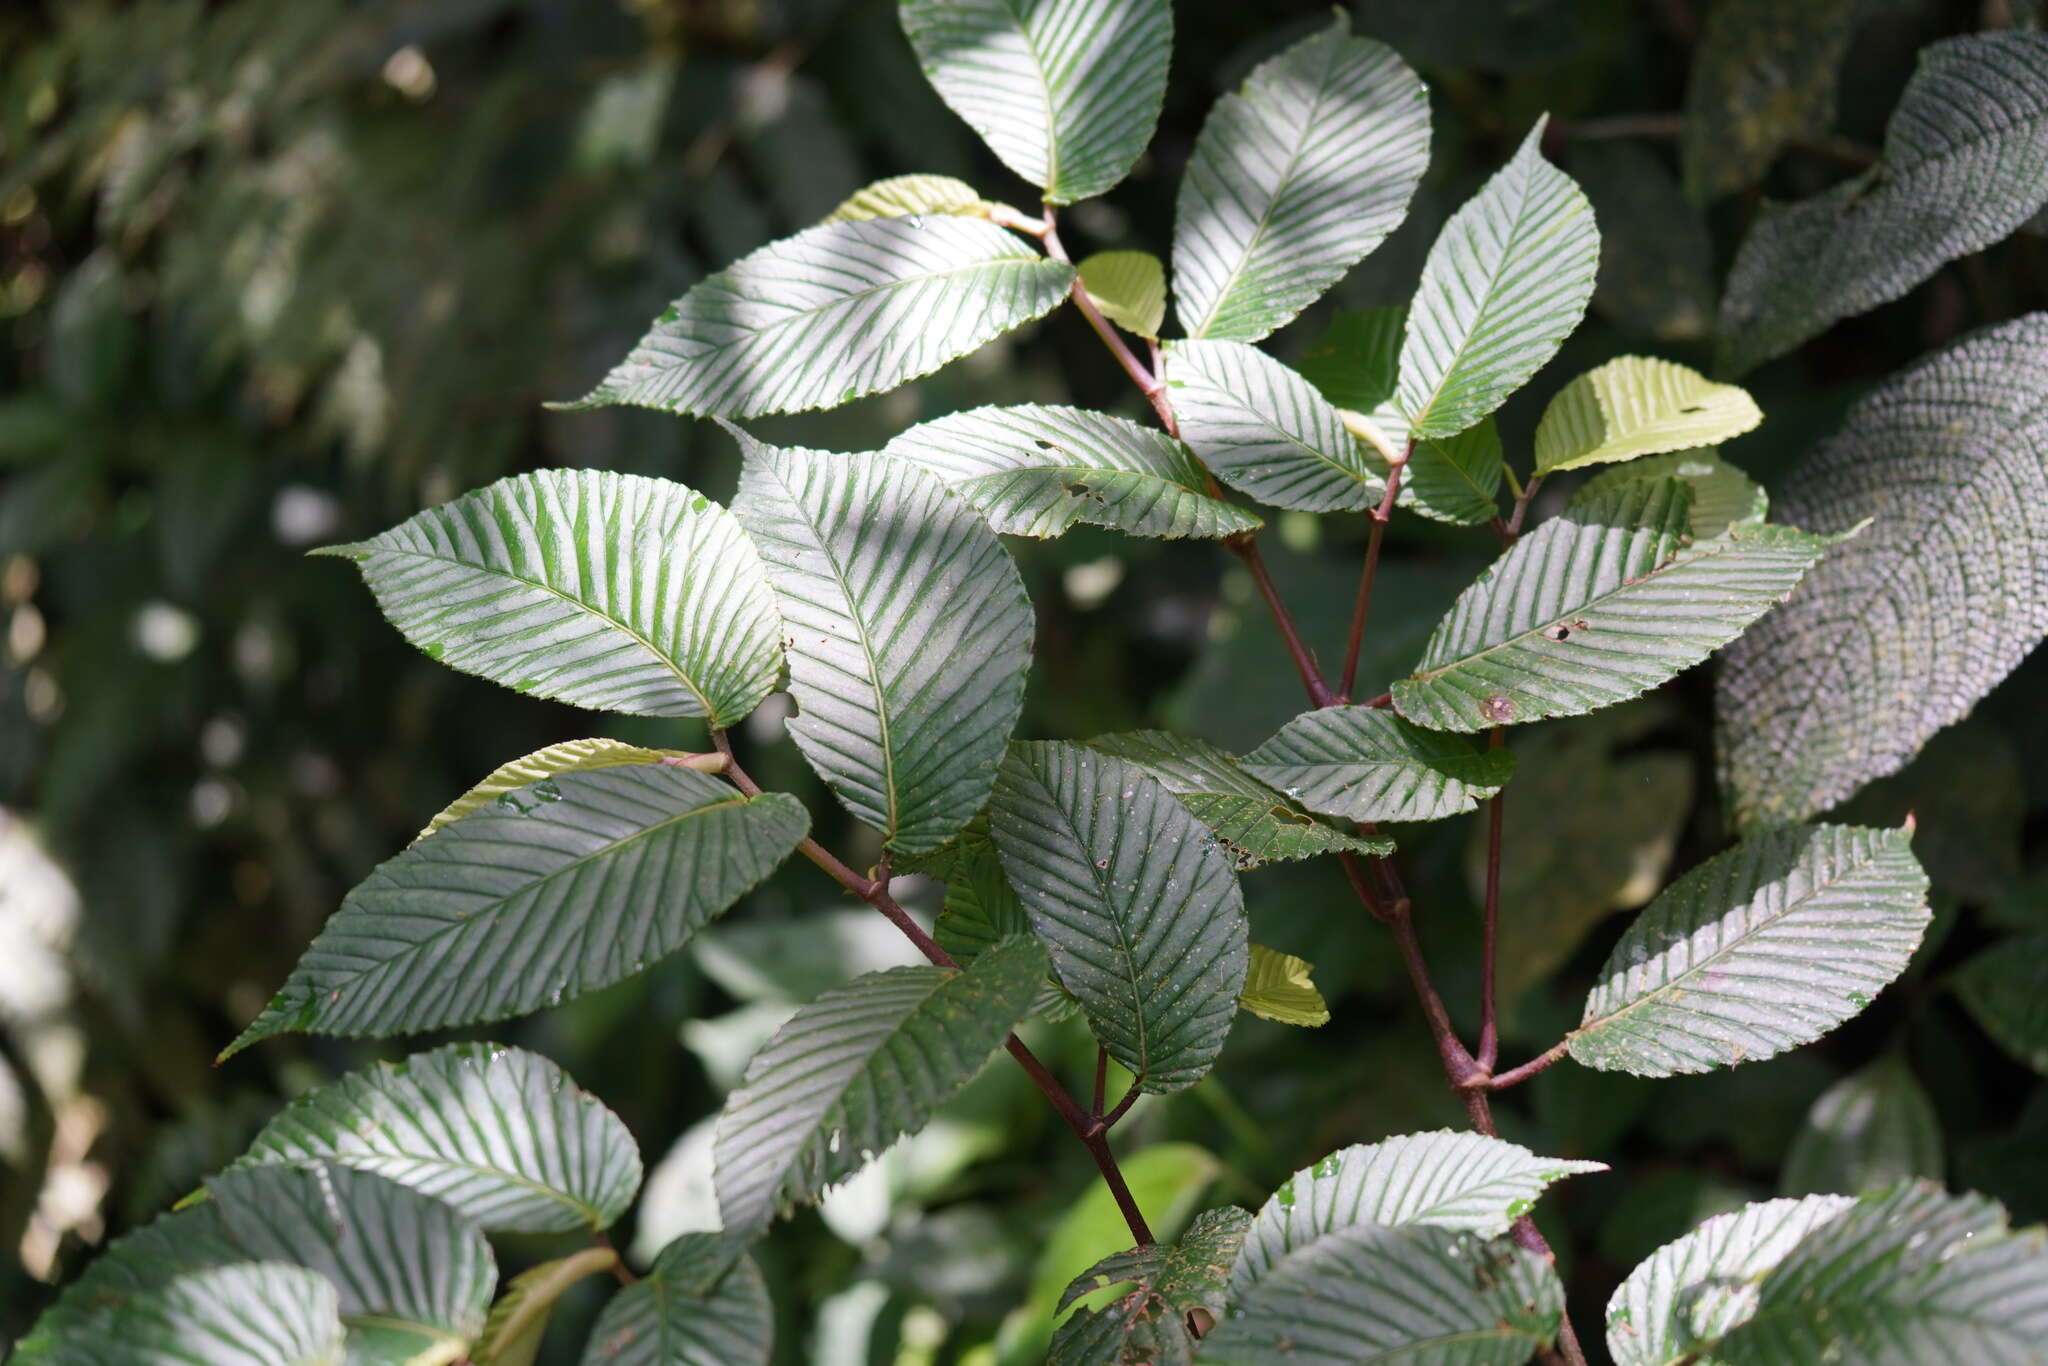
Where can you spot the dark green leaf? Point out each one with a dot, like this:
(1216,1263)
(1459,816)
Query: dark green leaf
(1366,764)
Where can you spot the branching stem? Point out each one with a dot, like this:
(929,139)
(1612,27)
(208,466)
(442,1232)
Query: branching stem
(875,891)
(1489,935)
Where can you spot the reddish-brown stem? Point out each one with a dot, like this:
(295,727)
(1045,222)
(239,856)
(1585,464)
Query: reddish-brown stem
(1515,1076)
(1521,510)
(1362,605)
(1153,387)
(875,891)
(1122,1108)
(620,1271)
(1101,1078)
(1489,934)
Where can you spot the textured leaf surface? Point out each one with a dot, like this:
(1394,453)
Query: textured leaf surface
(1635,406)
(696,1306)
(904,196)
(1255,822)
(1961,169)
(1763,74)
(1265,430)
(2006,990)
(1136,901)
(1507,280)
(413,1276)
(1129,287)
(1065,91)
(254,1314)
(909,634)
(571,756)
(1278,987)
(573,883)
(834,313)
(1161,1287)
(1380,1293)
(1036,470)
(1600,604)
(1690,1292)
(136,1264)
(1760,949)
(499,1133)
(857,1069)
(1366,764)
(1294,179)
(1900,631)
(1461,1181)
(607,591)
(1722,495)
(1912,1276)
(1870,1130)
(981,910)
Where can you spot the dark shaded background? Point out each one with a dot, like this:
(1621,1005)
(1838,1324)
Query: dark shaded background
(273,275)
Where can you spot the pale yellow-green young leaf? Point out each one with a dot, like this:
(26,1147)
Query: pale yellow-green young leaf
(1278,988)
(571,756)
(1637,405)
(519,1319)
(1130,289)
(902,196)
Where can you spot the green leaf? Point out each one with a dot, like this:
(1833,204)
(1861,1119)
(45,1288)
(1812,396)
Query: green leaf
(1507,280)
(606,591)
(1690,1292)
(1373,1292)
(1066,92)
(1870,1130)
(1635,406)
(1036,470)
(1161,1290)
(501,1134)
(1763,75)
(1278,987)
(254,1314)
(909,634)
(1295,178)
(414,1277)
(1912,1276)
(1760,949)
(1899,632)
(571,884)
(857,1069)
(911,196)
(1254,822)
(2006,990)
(1137,903)
(1960,171)
(571,756)
(1130,289)
(697,1306)
(1455,478)
(519,1320)
(835,313)
(980,911)
(137,1264)
(1265,430)
(1357,359)
(1366,764)
(1722,495)
(1465,1182)
(1600,604)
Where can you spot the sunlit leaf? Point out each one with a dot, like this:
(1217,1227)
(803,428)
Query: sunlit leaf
(252,1314)
(1065,91)
(1265,430)
(1722,495)
(1506,282)
(1136,901)
(571,756)
(698,1305)
(1635,406)
(857,1069)
(1760,949)
(1129,287)
(1366,764)
(501,1134)
(1278,987)
(834,313)
(1037,470)
(573,883)
(909,633)
(1295,177)
(908,196)
(608,591)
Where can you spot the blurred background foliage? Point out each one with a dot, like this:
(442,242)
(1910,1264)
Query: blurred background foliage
(273,275)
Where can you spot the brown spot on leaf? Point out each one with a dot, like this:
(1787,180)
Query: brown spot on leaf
(1497,707)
